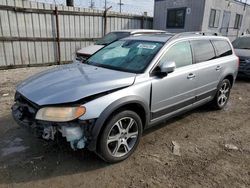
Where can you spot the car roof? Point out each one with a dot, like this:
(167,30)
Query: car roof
(137,31)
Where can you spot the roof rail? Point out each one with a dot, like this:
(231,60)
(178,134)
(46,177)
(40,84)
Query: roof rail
(177,35)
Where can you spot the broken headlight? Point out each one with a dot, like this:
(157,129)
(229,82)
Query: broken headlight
(60,114)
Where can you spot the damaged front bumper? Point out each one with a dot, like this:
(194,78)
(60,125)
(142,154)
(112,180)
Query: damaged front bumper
(77,132)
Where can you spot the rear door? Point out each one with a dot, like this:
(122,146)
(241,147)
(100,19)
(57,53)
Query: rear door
(176,90)
(208,68)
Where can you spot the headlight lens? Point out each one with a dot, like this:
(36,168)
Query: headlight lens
(60,114)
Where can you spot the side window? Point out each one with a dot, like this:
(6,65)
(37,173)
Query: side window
(222,47)
(180,53)
(176,18)
(238,21)
(214,18)
(203,50)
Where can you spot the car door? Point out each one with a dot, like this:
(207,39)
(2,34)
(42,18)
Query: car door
(208,68)
(176,90)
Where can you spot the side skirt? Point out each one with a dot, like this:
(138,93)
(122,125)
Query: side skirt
(178,109)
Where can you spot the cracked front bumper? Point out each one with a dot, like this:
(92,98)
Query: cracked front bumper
(77,132)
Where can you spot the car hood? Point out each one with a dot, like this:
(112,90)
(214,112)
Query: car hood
(70,83)
(89,50)
(243,53)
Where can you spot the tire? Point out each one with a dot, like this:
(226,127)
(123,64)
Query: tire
(117,141)
(222,95)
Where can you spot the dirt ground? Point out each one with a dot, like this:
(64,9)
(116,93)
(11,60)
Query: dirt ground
(202,134)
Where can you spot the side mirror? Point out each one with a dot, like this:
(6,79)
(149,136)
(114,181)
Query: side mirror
(81,59)
(167,67)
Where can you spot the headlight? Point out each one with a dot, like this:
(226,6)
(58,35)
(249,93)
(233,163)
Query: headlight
(60,114)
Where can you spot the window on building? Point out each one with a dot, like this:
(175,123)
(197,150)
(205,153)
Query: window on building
(176,18)
(222,47)
(214,18)
(203,50)
(238,20)
(180,53)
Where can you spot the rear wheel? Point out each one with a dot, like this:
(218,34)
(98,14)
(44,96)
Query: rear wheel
(120,136)
(222,95)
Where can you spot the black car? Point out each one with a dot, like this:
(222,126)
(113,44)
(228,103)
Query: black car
(242,50)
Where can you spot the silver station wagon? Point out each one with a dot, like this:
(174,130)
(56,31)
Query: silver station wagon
(105,103)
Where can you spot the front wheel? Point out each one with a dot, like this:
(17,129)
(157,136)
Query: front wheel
(120,136)
(222,95)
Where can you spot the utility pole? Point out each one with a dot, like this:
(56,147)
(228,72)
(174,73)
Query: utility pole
(70,3)
(105,4)
(120,4)
(92,4)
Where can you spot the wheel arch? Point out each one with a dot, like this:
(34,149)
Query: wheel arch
(133,103)
(230,77)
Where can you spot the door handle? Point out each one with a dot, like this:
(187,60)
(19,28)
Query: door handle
(218,68)
(191,76)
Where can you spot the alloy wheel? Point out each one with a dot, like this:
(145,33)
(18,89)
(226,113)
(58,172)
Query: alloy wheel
(223,94)
(122,137)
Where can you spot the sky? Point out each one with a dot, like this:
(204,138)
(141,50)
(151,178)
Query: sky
(130,6)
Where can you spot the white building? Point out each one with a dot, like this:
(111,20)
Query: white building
(229,17)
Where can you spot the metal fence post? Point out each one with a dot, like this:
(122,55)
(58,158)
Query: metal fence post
(58,37)
(145,20)
(105,20)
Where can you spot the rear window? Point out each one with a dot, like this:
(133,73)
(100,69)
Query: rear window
(203,50)
(242,43)
(111,37)
(222,48)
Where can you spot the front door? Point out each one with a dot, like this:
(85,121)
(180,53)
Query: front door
(177,89)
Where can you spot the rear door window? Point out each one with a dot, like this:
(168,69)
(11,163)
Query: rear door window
(203,50)
(222,48)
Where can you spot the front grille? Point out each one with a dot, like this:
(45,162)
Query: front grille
(242,64)
(242,61)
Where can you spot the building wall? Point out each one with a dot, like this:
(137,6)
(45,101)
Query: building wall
(234,8)
(198,19)
(193,20)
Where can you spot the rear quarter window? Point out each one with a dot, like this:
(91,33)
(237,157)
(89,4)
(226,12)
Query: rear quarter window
(222,48)
(203,50)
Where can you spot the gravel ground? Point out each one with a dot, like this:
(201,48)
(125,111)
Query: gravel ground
(203,135)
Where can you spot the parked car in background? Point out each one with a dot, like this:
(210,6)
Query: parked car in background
(111,37)
(128,86)
(242,50)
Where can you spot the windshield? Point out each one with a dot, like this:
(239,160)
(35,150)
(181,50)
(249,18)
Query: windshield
(242,43)
(126,55)
(111,37)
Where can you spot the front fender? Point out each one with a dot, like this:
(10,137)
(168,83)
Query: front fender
(100,122)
